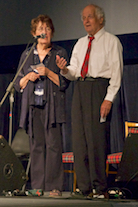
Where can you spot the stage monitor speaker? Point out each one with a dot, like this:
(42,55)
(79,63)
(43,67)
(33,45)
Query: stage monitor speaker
(12,173)
(128,167)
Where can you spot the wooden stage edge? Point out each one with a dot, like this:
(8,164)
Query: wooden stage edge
(66,201)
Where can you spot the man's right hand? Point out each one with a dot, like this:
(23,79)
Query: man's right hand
(61,63)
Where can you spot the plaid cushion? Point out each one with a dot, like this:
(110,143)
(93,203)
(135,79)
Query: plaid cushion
(133,130)
(67,157)
(114,158)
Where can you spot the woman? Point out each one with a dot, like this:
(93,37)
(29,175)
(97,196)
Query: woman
(43,107)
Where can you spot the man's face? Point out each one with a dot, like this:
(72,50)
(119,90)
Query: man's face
(90,21)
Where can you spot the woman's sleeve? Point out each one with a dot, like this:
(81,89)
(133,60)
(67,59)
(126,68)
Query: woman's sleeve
(64,83)
(21,74)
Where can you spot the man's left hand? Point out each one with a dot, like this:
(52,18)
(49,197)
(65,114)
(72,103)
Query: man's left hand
(105,108)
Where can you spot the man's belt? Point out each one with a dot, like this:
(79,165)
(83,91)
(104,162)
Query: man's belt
(91,79)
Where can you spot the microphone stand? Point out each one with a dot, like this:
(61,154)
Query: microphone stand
(11,98)
(10,89)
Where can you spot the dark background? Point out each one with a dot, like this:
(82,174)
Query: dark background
(125,106)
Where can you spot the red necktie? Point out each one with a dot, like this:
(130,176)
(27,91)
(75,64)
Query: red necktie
(84,69)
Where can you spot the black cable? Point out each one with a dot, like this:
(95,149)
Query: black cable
(131,178)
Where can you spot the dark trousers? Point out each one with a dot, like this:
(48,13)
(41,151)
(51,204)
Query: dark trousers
(90,137)
(46,154)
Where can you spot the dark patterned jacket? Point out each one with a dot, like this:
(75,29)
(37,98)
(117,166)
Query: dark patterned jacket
(54,95)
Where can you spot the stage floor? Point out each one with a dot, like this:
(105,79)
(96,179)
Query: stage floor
(66,201)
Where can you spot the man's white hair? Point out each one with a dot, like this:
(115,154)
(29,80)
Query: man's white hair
(98,11)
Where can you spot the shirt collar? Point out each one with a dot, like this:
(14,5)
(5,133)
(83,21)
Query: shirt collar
(99,34)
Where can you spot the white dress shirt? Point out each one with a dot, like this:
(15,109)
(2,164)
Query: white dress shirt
(105,60)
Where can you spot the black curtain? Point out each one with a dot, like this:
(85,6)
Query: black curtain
(125,107)
(5,113)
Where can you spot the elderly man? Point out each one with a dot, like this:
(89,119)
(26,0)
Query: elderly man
(96,63)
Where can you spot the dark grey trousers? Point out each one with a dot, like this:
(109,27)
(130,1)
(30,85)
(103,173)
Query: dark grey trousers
(46,154)
(90,137)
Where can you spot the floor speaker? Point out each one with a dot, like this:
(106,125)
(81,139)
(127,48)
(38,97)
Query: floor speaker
(12,173)
(128,167)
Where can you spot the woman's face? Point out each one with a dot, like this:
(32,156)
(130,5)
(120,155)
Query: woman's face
(42,28)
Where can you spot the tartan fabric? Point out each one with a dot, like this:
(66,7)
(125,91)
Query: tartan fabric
(114,158)
(133,130)
(67,157)
(84,69)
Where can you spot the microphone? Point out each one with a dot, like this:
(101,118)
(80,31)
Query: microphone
(40,36)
